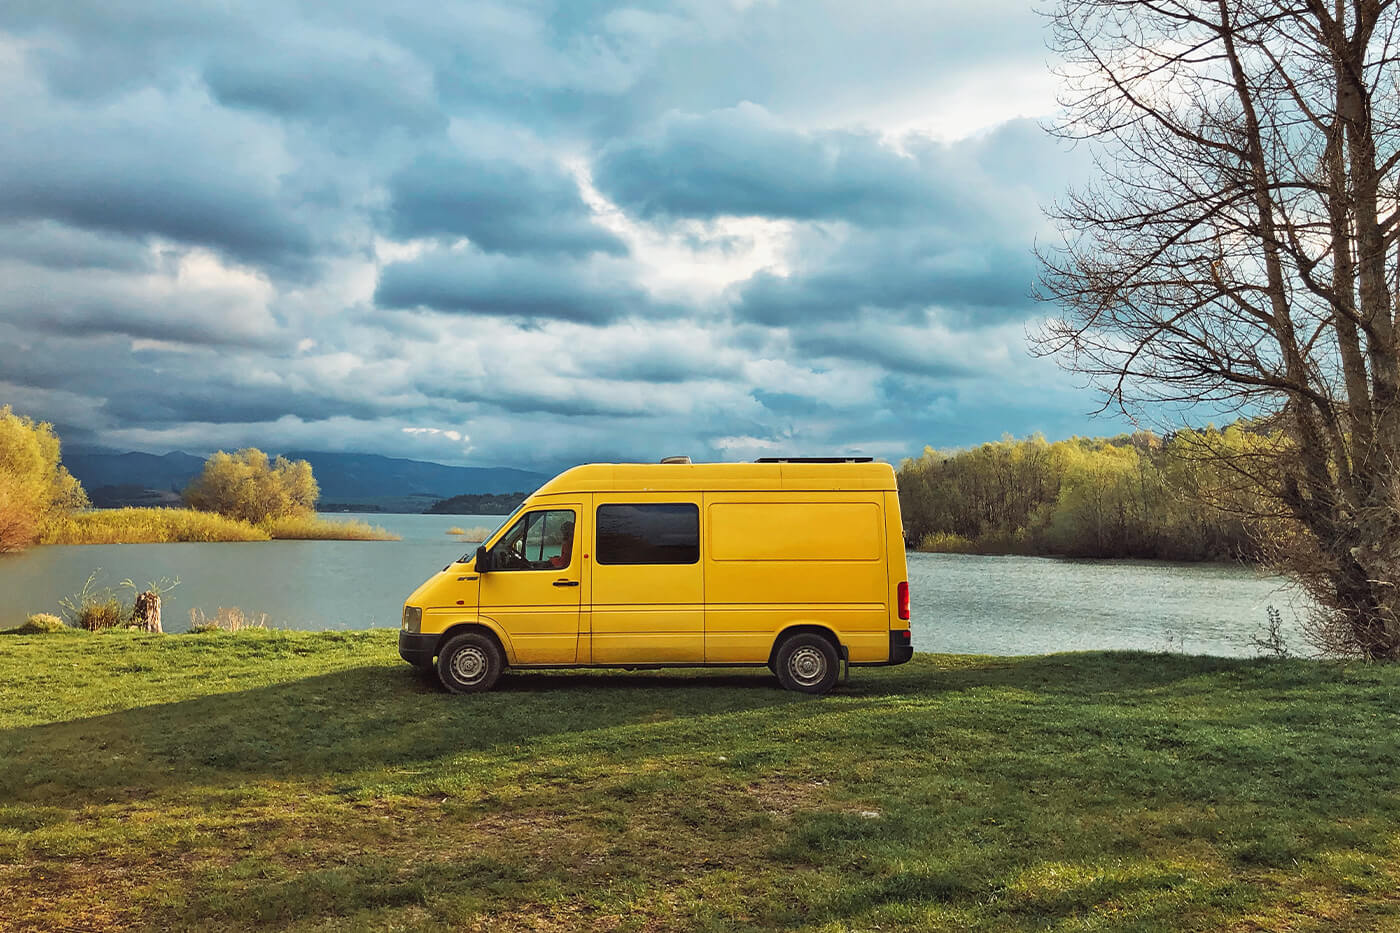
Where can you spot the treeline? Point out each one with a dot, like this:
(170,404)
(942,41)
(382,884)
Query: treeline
(1180,497)
(487,503)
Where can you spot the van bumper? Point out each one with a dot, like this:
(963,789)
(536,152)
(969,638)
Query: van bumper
(901,650)
(416,649)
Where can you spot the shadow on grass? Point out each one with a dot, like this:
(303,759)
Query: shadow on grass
(392,715)
(352,720)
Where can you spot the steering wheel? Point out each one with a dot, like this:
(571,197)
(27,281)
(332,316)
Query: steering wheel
(510,558)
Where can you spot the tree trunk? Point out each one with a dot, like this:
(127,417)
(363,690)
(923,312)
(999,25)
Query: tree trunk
(146,613)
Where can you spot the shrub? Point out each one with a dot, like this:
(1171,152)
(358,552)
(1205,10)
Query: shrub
(40,623)
(225,619)
(95,607)
(245,485)
(105,613)
(34,486)
(473,535)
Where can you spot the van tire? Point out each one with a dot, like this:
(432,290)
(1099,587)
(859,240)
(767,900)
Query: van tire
(469,663)
(807,663)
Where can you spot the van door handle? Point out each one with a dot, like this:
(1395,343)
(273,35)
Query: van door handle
(566,583)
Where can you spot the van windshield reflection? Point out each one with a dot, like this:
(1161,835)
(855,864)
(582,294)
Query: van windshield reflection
(471,555)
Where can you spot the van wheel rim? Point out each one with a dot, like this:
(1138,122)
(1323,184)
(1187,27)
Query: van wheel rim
(469,665)
(807,665)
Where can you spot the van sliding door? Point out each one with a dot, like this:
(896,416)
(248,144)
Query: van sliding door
(648,596)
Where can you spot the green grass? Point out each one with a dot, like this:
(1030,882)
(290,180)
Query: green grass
(160,526)
(277,780)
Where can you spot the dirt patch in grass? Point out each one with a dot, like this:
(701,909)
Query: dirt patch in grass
(780,797)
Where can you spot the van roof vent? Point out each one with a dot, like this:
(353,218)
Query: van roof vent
(815,460)
(675,459)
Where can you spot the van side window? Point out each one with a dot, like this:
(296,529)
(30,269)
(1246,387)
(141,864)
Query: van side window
(649,534)
(538,541)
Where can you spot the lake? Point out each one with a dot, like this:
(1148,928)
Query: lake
(983,605)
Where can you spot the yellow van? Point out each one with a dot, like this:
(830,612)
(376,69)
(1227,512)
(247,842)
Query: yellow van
(793,564)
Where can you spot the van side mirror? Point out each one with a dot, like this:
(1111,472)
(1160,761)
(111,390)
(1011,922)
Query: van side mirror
(483,559)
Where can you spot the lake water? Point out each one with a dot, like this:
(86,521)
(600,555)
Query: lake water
(985,605)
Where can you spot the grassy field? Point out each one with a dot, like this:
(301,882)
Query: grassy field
(160,526)
(274,780)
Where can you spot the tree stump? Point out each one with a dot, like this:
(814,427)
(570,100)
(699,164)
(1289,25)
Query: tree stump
(146,613)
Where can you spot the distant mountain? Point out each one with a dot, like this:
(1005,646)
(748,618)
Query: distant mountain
(348,477)
(171,471)
(345,479)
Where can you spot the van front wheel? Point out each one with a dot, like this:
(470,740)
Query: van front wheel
(469,663)
(807,663)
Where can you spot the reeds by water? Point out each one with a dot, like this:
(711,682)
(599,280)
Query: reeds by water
(159,526)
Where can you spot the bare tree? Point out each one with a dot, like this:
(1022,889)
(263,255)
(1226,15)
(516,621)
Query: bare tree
(1239,250)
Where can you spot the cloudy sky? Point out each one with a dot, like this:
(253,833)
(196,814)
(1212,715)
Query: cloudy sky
(528,233)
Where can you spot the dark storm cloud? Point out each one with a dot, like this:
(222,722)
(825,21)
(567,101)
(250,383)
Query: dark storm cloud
(147,173)
(470,282)
(92,316)
(500,206)
(663,365)
(518,394)
(52,245)
(744,162)
(887,348)
(159,388)
(227,402)
(929,225)
(907,271)
(361,95)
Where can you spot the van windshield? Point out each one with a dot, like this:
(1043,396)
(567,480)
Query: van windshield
(471,555)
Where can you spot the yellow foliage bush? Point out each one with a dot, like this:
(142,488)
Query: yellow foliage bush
(34,486)
(246,485)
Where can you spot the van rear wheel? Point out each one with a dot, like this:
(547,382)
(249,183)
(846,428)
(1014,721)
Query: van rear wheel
(807,663)
(469,663)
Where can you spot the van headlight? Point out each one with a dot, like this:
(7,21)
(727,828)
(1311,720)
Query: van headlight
(412,619)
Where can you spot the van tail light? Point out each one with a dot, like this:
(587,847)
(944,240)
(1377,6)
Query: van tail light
(904,601)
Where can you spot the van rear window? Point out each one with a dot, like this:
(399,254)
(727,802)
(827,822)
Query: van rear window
(649,534)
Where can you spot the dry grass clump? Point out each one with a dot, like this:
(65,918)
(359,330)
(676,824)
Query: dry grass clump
(147,526)
(226,619)
(40,623)
(95,607)
(102,614)
(160,526)
(314,528)
(475,534)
